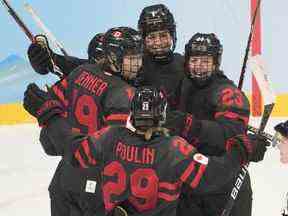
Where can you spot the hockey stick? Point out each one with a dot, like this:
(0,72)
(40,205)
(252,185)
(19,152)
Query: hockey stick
(28,33)
(257,66)
(242,174)
(18,20)
(285,207)
(244,65)
(46,31)
(267,136)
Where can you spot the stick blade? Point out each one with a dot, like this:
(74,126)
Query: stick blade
(258,68)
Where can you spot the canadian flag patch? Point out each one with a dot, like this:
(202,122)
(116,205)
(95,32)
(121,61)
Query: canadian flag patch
(200,158)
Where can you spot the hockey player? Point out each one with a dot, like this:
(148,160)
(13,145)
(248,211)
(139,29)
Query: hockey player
(143,167)
(93,97)
(213,110)
(162,67)
(282,129)
(40,56)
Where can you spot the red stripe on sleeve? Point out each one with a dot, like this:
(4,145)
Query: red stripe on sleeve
(168,197)
(188,125)
(99,133)
(64,83)
(130,93)
(198,177)
(188,171)
(60,95)
(232,115)
(117,117)
(87,151)
(79,158)
(169,186)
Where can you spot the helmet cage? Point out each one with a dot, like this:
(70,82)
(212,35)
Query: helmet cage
(203,45)
(119,42)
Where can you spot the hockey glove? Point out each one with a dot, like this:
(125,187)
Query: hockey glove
(40,104)
(259,144)
(40,55)
(243,145)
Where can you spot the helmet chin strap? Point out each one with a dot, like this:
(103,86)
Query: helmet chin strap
(164,58)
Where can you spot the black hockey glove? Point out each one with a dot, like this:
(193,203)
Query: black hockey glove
(243,145)
(41,105)
(40,55)
(260,144)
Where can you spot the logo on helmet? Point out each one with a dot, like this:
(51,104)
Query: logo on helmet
(117,34)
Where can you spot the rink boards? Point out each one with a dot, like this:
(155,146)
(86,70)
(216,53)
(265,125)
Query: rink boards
(14,113)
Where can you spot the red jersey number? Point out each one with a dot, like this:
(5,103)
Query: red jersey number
(232,97)
(143,186)
(86,113)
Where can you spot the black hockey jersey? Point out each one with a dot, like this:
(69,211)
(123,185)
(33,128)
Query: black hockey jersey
(210,115)
(167,76)
(144,177)
(93,99)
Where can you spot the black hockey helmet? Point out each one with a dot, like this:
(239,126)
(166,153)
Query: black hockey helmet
(202,44)
(119,42)
(95,48)
(148,108)
(156,18)
(282,128)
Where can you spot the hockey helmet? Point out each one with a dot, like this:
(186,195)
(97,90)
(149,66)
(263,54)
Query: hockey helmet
(202,44)
(95,48)
(120,42)
(157,18)
(148,108)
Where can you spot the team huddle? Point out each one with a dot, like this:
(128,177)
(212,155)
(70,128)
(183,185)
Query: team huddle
(143,130)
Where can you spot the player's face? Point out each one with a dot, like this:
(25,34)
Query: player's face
(201,64)
(283,147)
(132,63)
(158,42)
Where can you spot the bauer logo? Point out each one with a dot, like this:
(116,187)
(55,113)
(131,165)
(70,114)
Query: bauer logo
(90,186)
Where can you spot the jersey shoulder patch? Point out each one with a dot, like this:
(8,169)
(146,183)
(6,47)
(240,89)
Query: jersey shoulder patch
(200,158)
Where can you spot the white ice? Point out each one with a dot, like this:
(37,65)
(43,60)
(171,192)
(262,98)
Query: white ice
(25,173)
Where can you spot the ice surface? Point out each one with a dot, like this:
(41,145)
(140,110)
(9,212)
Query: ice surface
(25,173)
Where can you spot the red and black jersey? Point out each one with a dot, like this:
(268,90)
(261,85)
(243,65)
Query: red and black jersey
(210,115)
(166,75)
(93,98)
(143,176)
